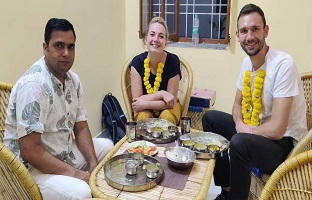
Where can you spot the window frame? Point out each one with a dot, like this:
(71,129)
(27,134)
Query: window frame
(174,37)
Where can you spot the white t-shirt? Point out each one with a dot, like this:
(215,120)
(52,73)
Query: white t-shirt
(282,79)
(38,103)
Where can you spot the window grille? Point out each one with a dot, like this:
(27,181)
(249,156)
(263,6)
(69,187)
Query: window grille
(213,15)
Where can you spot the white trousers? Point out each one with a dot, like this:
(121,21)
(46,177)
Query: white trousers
(60,187)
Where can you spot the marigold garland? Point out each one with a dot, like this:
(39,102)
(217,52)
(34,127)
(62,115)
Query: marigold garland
(251,112)
(147,73)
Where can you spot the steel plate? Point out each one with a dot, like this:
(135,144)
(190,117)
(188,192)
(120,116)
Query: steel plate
(117,177)
(207,138)
(142,132)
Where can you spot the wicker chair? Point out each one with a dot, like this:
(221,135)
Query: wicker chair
(291,180)
(306,79)
(305,144)
(185,87)
(15,180)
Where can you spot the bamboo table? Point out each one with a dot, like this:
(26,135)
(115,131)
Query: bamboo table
(196,186)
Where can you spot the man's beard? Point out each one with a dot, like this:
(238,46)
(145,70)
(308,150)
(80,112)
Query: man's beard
(251,53)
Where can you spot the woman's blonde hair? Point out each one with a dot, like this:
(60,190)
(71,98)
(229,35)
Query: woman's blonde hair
(161,21)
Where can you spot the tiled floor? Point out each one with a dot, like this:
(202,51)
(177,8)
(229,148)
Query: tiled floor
(213,191)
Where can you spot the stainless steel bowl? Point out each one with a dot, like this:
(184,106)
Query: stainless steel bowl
(179,157)
(173,129)
(138,156)
(152,170)
(156,134)
(131,167)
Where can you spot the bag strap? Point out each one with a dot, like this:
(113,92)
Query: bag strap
(118,109)
(109,117)
(119,116)
(106,107)
(114,132)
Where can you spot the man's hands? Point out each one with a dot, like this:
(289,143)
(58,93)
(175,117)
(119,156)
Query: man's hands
(91,167)
(243,128)
(40,158)
(82,175)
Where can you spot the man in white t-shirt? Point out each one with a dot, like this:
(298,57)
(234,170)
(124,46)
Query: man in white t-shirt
(45,108)
(269,111)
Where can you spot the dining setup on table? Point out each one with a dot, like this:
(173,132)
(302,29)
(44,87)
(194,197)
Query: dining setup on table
(159,160)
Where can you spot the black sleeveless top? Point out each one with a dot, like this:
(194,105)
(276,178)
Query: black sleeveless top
(171,69)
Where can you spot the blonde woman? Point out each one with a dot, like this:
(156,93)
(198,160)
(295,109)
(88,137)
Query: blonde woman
(155,76)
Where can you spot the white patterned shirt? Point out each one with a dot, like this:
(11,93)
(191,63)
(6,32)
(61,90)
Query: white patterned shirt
(38,103)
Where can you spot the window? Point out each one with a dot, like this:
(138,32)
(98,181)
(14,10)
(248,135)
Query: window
(214,17)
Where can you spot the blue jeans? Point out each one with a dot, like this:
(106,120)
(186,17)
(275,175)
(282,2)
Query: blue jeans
(246,151)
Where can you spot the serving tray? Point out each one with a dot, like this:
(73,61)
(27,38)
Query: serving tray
(207,138)
(144,131)
(116,176)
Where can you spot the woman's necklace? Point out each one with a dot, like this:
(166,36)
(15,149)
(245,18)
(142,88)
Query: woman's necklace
(251,112)
(147,73)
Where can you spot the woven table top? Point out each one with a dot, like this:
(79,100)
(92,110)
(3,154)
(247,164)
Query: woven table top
(196,186)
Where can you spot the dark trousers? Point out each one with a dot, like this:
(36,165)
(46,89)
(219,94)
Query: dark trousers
(246,151)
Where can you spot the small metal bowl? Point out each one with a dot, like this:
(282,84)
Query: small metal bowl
(188,144)
(200,147)
(138,156)
(152,170)
(213,148)
(131,167)
(156,134)
(180,157)
(173,129)
(182,138)
(149,126)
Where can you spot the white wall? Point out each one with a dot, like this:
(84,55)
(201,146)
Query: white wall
(100,45)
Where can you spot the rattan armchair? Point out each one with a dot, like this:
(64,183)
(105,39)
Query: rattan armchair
(291,180)
(185,87)
(305,144)
(306,79)
(15,180)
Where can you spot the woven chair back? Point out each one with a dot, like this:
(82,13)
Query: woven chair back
(5,90)
(185,87)
(305,144)
(15,181)
(306,79)
(291,180)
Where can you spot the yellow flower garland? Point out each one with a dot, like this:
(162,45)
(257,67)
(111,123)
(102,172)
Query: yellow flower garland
(147,73)
(251,113)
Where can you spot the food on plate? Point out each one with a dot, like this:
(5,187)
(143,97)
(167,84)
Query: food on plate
(157,129)
(200,147)
(188,143)
(213,148)
(151,167)
(138,156)
(216,142)
(152,170)
(142,147)
(167,134)
(149,126)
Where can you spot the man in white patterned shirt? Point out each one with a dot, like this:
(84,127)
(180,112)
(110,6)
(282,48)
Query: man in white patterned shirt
(46,107)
